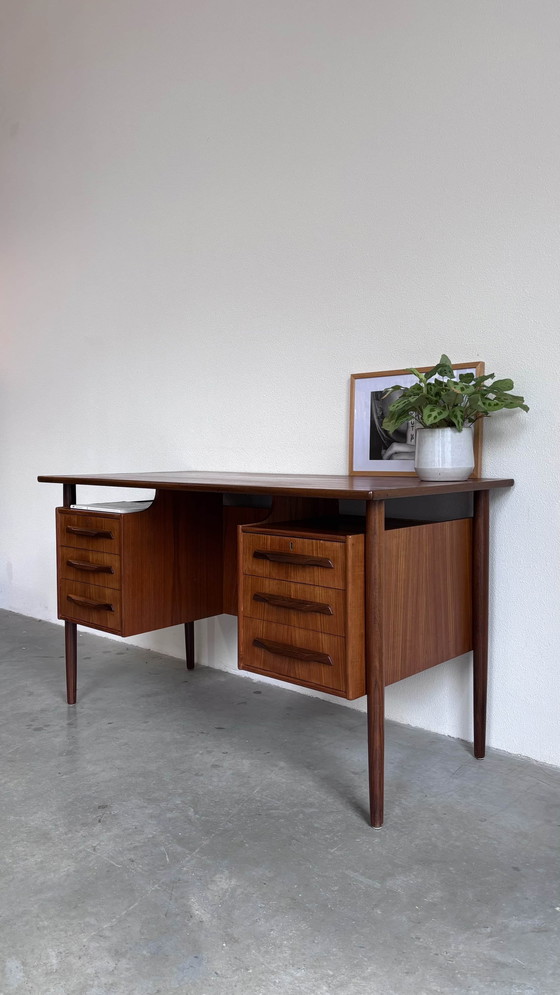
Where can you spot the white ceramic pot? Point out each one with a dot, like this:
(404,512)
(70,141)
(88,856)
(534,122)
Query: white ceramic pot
(444,453)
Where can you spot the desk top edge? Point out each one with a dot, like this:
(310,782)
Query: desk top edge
(293,485)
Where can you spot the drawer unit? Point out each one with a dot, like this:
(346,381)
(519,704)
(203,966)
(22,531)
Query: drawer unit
(142,570)
(90,604)
(289,557)
(301,606)
(89,569)
(89,566)
(88,531)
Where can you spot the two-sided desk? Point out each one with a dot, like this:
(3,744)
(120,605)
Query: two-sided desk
(341,603)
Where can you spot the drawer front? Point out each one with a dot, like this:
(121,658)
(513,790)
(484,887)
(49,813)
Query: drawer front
(89,567)
(85,531)
(305,561)
(89,604)
(309,658)
(318,608)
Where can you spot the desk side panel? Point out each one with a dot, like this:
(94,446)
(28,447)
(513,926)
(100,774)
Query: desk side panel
(172,562)
(428,596)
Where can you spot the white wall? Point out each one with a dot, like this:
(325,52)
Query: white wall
(214,211)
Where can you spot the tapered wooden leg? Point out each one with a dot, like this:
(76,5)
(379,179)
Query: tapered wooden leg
(189,644)
(71,646)
(374,540)
(480,618)
(70,628)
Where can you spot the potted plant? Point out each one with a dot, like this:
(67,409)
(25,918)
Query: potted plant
(444,406)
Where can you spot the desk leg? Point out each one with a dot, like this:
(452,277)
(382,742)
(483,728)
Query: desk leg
(374,541)
(71,647)
(480,618)
(189,644)
(70,628)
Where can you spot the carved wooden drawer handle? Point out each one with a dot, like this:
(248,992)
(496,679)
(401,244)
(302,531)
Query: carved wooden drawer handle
(294,604)
(88,603)
(90,533)
(296,652)
(92,568)
(296,559)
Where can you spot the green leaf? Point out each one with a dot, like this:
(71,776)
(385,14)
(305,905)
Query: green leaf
(515,402)
(491,404)
(432,414)
(500,385)
(457,416)
(475,402)
(392,422)
(440,398)
(421,376)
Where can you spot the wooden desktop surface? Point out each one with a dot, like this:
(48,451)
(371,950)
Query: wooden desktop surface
(374,488)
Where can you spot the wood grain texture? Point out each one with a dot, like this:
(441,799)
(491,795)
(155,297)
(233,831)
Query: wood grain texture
(427,596)
(374,488)
(84,530)
(294,559)
(77,601)
(300,606)
(282,508)
(296,507)
(481,524)
(332,554)
(71,656)
(330,527)
(324,677)
(233,517)
(91,566)
(172,562)
(355,620)
(333,623)
(345,601)
(294,651)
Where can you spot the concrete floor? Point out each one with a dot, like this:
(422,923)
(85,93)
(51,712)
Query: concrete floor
(200,833)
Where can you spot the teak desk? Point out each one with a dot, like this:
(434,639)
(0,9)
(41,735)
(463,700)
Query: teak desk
(340,603)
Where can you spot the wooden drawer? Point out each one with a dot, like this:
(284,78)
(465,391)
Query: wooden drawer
(85,531)
(318,608)
(89,567)
(296,655)
(89,605)
(306,561)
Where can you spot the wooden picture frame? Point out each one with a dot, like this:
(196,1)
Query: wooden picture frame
(367,455)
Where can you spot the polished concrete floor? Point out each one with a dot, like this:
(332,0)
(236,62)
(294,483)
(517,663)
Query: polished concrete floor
(200,833)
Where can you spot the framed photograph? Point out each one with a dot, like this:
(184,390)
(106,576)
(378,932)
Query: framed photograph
(372,449)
